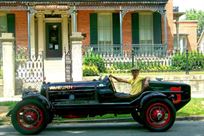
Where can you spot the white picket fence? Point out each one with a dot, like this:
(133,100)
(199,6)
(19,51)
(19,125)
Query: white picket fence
(112,59)
(30,70)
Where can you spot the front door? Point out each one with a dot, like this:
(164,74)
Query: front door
(53,40)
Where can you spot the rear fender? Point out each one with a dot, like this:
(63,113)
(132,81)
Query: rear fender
(150,96)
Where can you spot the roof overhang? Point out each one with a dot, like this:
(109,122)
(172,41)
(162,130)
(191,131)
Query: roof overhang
(132,5)
(81,1)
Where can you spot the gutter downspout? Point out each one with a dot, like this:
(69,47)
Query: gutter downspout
(28,21)
(165,30)
(121,30)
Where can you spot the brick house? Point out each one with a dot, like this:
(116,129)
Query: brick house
(115,26)
(144,23)
(201,43)
(187,35)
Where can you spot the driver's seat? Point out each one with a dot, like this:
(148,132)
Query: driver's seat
(126,95)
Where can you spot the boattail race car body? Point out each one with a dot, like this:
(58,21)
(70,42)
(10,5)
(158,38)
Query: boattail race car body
(155,107)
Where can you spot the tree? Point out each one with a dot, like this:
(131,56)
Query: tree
(196,15)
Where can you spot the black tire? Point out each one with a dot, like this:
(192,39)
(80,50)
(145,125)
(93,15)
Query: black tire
(50,119)
(29,117)
(159,115)
(137,117)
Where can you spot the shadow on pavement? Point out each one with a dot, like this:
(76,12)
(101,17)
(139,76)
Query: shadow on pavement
(96,126)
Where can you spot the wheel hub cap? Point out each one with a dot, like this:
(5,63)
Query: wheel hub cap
(158,115)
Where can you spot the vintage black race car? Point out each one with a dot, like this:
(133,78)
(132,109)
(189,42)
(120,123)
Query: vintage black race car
(155,107)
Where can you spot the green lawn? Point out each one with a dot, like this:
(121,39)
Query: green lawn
(9,104)
(194,107)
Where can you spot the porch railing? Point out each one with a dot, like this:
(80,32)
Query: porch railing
(136,49)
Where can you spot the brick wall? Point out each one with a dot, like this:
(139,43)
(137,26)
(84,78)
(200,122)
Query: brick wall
(190,29)
(83,25)
(21,28)
(127,31)
(169,14)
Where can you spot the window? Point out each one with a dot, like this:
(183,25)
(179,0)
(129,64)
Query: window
(182,43)
(105,36)
(3,23)
(175,43)
(146,28)
(7,23)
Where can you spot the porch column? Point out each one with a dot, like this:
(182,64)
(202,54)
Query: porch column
(76,55)
(65,31)
(74,20)
(121,29)
(32,35)
(7,42)
(41,42)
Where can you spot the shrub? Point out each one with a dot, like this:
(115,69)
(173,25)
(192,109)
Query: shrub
(96,60)
(145,66)
(195,61)
(90,70)
(122,65)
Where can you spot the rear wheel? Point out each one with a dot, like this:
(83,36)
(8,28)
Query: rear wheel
(159,115)
(137,117)
(29,117)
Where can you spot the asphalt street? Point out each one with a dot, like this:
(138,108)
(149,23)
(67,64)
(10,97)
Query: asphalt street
(180,128)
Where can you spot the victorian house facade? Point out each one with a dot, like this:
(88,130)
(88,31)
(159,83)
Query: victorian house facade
(108,25)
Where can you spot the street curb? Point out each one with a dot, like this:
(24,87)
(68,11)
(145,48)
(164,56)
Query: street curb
(190,118)
(112,120)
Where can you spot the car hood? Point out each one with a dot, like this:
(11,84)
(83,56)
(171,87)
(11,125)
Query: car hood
(75,84)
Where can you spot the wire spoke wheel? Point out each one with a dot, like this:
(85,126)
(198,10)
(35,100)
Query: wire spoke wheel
(29,117)
(159,115)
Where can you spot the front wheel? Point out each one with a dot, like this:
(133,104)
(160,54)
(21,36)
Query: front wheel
(159,115)
(29,117)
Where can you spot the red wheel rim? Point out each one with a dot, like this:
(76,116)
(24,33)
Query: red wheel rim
(30,117)
(158,115)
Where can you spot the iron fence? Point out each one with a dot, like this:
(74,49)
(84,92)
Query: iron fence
(156,61)
(125,49)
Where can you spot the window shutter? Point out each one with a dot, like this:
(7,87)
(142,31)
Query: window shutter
(135,28)
(157,28)
(11,23)
(93,28)
(116,28)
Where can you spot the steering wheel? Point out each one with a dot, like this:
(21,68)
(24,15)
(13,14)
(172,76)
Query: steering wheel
(111,84)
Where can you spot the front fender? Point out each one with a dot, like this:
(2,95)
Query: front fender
(36,96)
(150,96)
